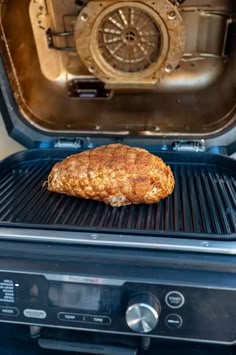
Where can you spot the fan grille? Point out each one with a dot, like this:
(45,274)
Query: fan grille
(129,39)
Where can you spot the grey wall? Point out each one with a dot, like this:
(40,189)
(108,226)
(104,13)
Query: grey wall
(7,145)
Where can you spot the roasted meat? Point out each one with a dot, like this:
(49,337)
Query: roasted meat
(116,174)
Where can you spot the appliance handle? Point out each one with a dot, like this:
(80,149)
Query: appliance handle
(85,348)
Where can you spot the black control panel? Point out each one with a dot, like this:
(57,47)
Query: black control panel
(119,306)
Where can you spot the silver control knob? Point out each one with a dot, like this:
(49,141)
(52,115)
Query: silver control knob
(143,313)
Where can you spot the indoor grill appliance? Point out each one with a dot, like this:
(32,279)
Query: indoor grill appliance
(156,74)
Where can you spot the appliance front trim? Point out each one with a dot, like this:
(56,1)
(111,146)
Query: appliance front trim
(121,241)
(123,333)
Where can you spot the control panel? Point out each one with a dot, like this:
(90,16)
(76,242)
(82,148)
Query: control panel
(118,306)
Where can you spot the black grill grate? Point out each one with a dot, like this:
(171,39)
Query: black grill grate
(203,202)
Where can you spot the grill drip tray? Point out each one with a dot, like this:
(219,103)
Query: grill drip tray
(203,204)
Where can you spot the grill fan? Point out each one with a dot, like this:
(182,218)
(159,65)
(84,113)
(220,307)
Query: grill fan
(129,44)
(129,39)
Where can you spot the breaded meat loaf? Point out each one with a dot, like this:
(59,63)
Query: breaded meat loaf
(116,174)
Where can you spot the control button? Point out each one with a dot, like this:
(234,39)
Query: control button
(67,316)
(174,321)
(174,299)
(142,313)
(71,317)
(35,313)
(82,318)
(98,320)
(9,311)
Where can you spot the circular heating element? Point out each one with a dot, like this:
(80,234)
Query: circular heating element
(130,44)
(129,39)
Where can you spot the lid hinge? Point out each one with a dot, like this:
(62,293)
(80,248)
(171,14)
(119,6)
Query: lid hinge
(189,146)
(73,143)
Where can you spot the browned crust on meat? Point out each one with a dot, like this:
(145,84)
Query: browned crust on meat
(115,174)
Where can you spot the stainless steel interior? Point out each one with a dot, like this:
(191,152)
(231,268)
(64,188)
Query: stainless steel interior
(197,98)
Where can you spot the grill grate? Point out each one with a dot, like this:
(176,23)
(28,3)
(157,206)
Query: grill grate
(203,202)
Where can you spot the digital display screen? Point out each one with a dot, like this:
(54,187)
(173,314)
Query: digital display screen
(82,297)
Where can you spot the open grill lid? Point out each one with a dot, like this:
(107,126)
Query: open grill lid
(191,108)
